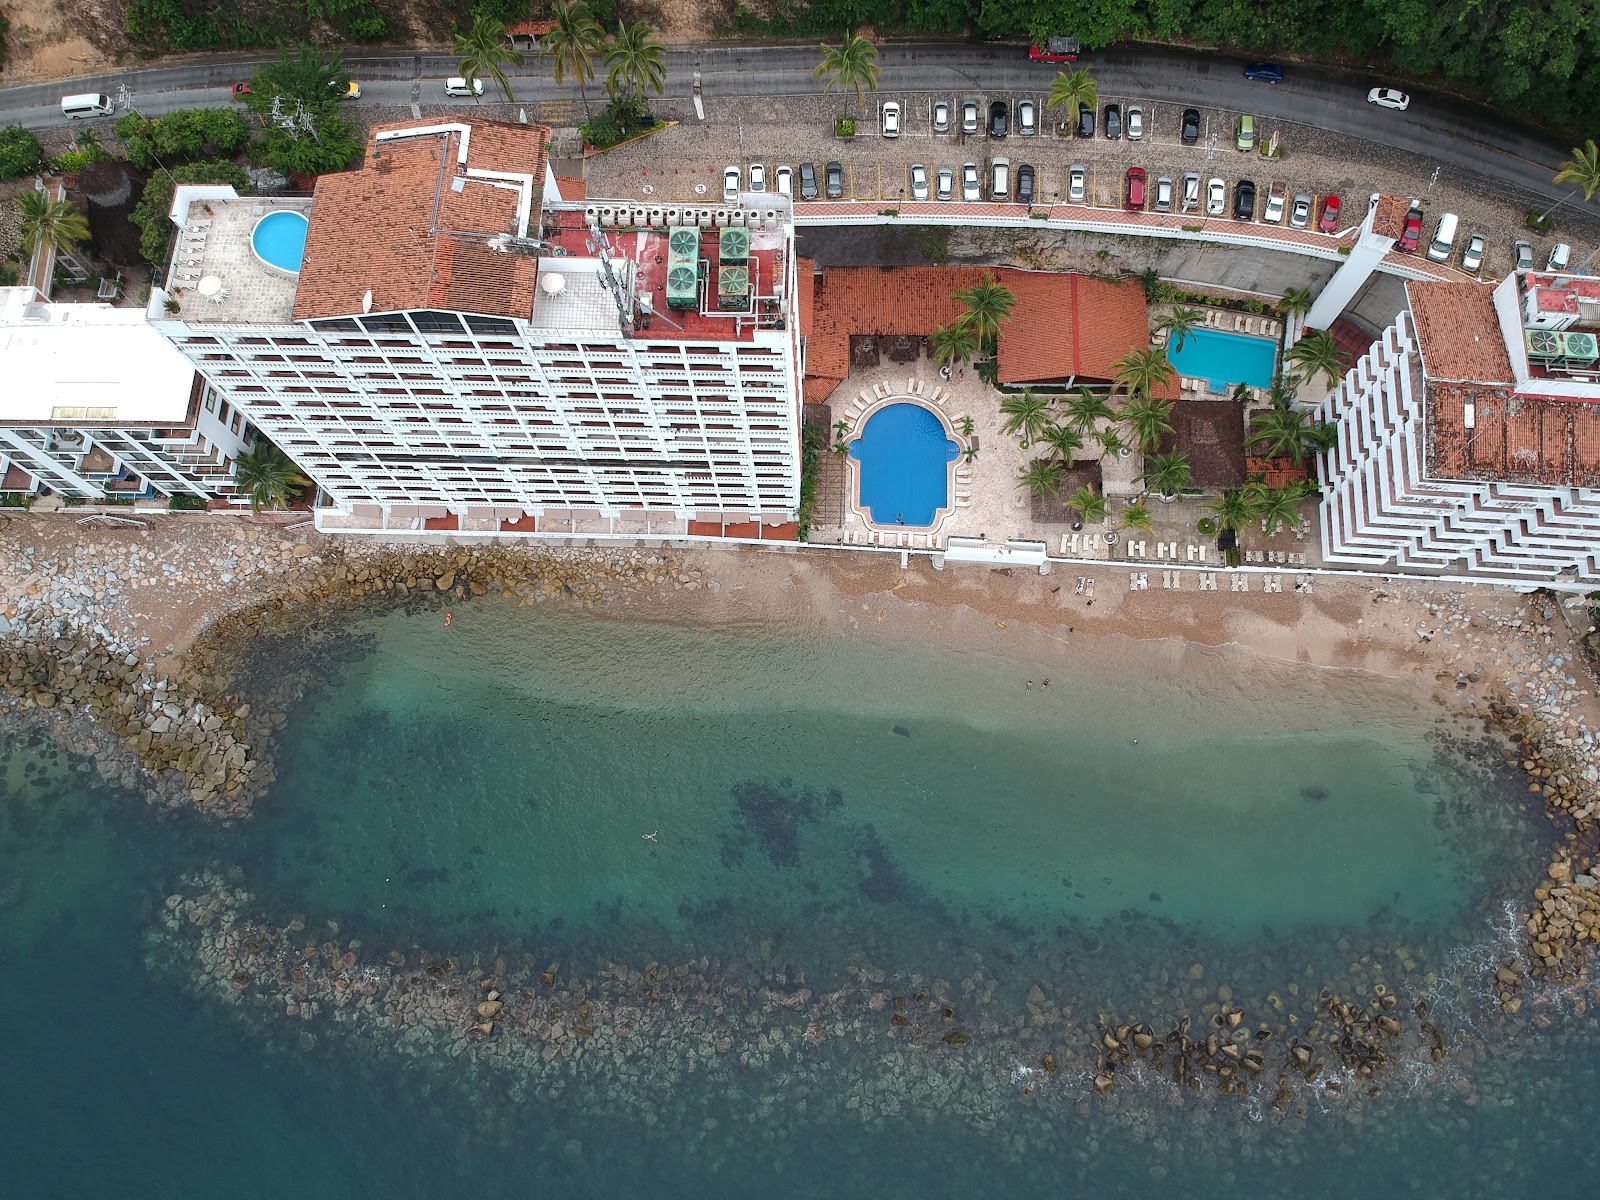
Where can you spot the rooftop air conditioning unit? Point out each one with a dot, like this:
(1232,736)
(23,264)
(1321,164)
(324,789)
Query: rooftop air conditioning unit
(1581,348)
(656,216)
(1543,344)
(720,218)
(703,216)
(771,215)
(592,211)
(674,216)
(608,215)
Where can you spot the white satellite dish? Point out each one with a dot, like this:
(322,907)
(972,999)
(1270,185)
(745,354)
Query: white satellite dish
(366,302)
(552,282)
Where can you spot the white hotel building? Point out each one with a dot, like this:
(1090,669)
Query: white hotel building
(1469,437)
(459,349)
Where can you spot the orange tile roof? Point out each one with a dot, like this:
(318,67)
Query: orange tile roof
(1063,325)
(1458,332)
(530,28)
(572,189)
(1513,439)
(398,228)
(1390,219)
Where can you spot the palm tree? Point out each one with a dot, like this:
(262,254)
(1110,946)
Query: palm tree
(573,45)
(1150,421)
(1026,414)
(953,344)
(1091,507)
(1278,507)
(1321,437)
(988,305)
(1111,442)
(484,52)
(1583,169)
(1085,410)
(269,475)
(1280,432)
(1296,302)
(1063,440)
(1317,353)
(1137,516)
(636,62)
(47,222)
(1180,325)
(853,66)
(1139,372)
(1042,477)
(1237,508)
(1166,474)
(1072,89)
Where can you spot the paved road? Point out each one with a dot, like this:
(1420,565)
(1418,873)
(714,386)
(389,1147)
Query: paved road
(1465,138)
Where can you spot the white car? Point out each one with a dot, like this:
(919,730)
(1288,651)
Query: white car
(1216,198)
(891,119)
(971,185)
(1133,123)
(941,116)
(1300,211)
(730,184)
(1389,98)
(758,177)
(456,85)
(1027,119)
(969,116)
(1077,183)
(944,184)
(783,181)
(1559,258)
(1272,214)
(919,181)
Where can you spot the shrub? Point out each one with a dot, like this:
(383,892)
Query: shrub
(15,500)
(183,136)
(184,502)
(844,127)
(813,441)
(150,214)
(617,122)
(20,152)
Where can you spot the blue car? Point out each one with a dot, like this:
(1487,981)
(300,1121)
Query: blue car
(1265,72)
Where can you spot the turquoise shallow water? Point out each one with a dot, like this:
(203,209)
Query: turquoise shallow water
(814,804)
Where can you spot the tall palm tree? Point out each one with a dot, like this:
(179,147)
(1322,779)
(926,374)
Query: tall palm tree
(574,44)
(1042,477)
(1236,508)
(636,62)
(1111,441)
(1063,440)
(1278,507)
(47,222)
(1296,302)
(1280,432)
(1091,506)
(1085,410)
(989,304)
(1166,474)
(1317,353)
(269,475)
(1583,169)
(1137,516)
(1321,437)
(1150,420)
(485,54)
(1026,414)
(853,66)
(1180,325)
(1072,88)
(1139,372)
(953,344)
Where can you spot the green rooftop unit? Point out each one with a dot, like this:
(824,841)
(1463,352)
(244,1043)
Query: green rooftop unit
(683,279)
(1579,348)
(733,288)
(683,243)
(734,245)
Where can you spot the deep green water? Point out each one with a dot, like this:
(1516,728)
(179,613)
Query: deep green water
(485,788)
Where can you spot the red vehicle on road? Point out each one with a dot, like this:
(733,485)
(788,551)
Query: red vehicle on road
(1056,50)
(1134,198)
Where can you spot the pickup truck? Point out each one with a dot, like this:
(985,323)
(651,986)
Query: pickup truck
(1276,195)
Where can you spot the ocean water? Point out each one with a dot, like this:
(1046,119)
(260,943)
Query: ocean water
(1147,828)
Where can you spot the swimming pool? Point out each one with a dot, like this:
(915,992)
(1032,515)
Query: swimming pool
(279,240)
(904,454)
(1224,359)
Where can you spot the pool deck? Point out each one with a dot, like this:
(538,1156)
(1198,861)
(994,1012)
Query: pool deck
(217,243)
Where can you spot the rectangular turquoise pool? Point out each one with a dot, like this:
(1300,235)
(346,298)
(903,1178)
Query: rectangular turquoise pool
(1224,359)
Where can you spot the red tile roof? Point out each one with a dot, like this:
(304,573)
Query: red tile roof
(399,228)
(530,28)
(572,189)
(1458,332)
(1063,325)
(1513,439)
(1390,219)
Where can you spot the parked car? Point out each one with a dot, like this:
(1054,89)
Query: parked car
(919,181)
(730,184)
(457,85)
(1560,257)
(1000,179)
(1216,198)
(1191,126)
(969,116)
(241,89)
(808,181)
(944,184)
(1077,183)
(941,116)
(1244,200)
(1389,98)
(1444,238)
(783,181)
(1522,256)
(1085,120)
(1272,212)
(1027,118)
(1411,237)
(758,177)
(1133,190)
(1300,211)
(1056,50)
(1162,200)
(1135,122)
(971,192)
(835,180)
(889,119)
(1191,192)
(1329,222)
(1264,72)
(1113,122)
(1472,256)
(999,119)
(1244,139)
(1025,181)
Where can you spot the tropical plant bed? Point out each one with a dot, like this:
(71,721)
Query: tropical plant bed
(1539,222)
(844,127)
(590,149)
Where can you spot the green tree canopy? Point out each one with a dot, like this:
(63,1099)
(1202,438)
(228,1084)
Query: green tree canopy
(635,62)
(47,222)
(151,213)
(853,66)
(269,476)
(574,44)
(485,54)
(1026,415)
(182,136)
(20,152)
(1042,477)
(1091,506)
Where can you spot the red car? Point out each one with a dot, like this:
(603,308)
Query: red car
(240,89)
(1056,50)
(1413,233)
(1329,221)
(1134,201)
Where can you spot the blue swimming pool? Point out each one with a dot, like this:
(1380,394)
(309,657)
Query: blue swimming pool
(1225,359)
(904,452)
(279,240)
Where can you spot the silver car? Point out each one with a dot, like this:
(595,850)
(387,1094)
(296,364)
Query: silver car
(919,181)
(969,116)
(941,116)
(1077,183)
(1216,197)
(971,183)
(944,184)
(1133,123)
(1522,255)
(1300,211)
(1472,256)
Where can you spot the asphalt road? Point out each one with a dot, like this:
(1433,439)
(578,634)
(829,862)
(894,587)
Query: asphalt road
(1463,138)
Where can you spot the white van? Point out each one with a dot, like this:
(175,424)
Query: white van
(1559,257)
(91,104)
(1444,239)
(457,85)
(1000,179)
